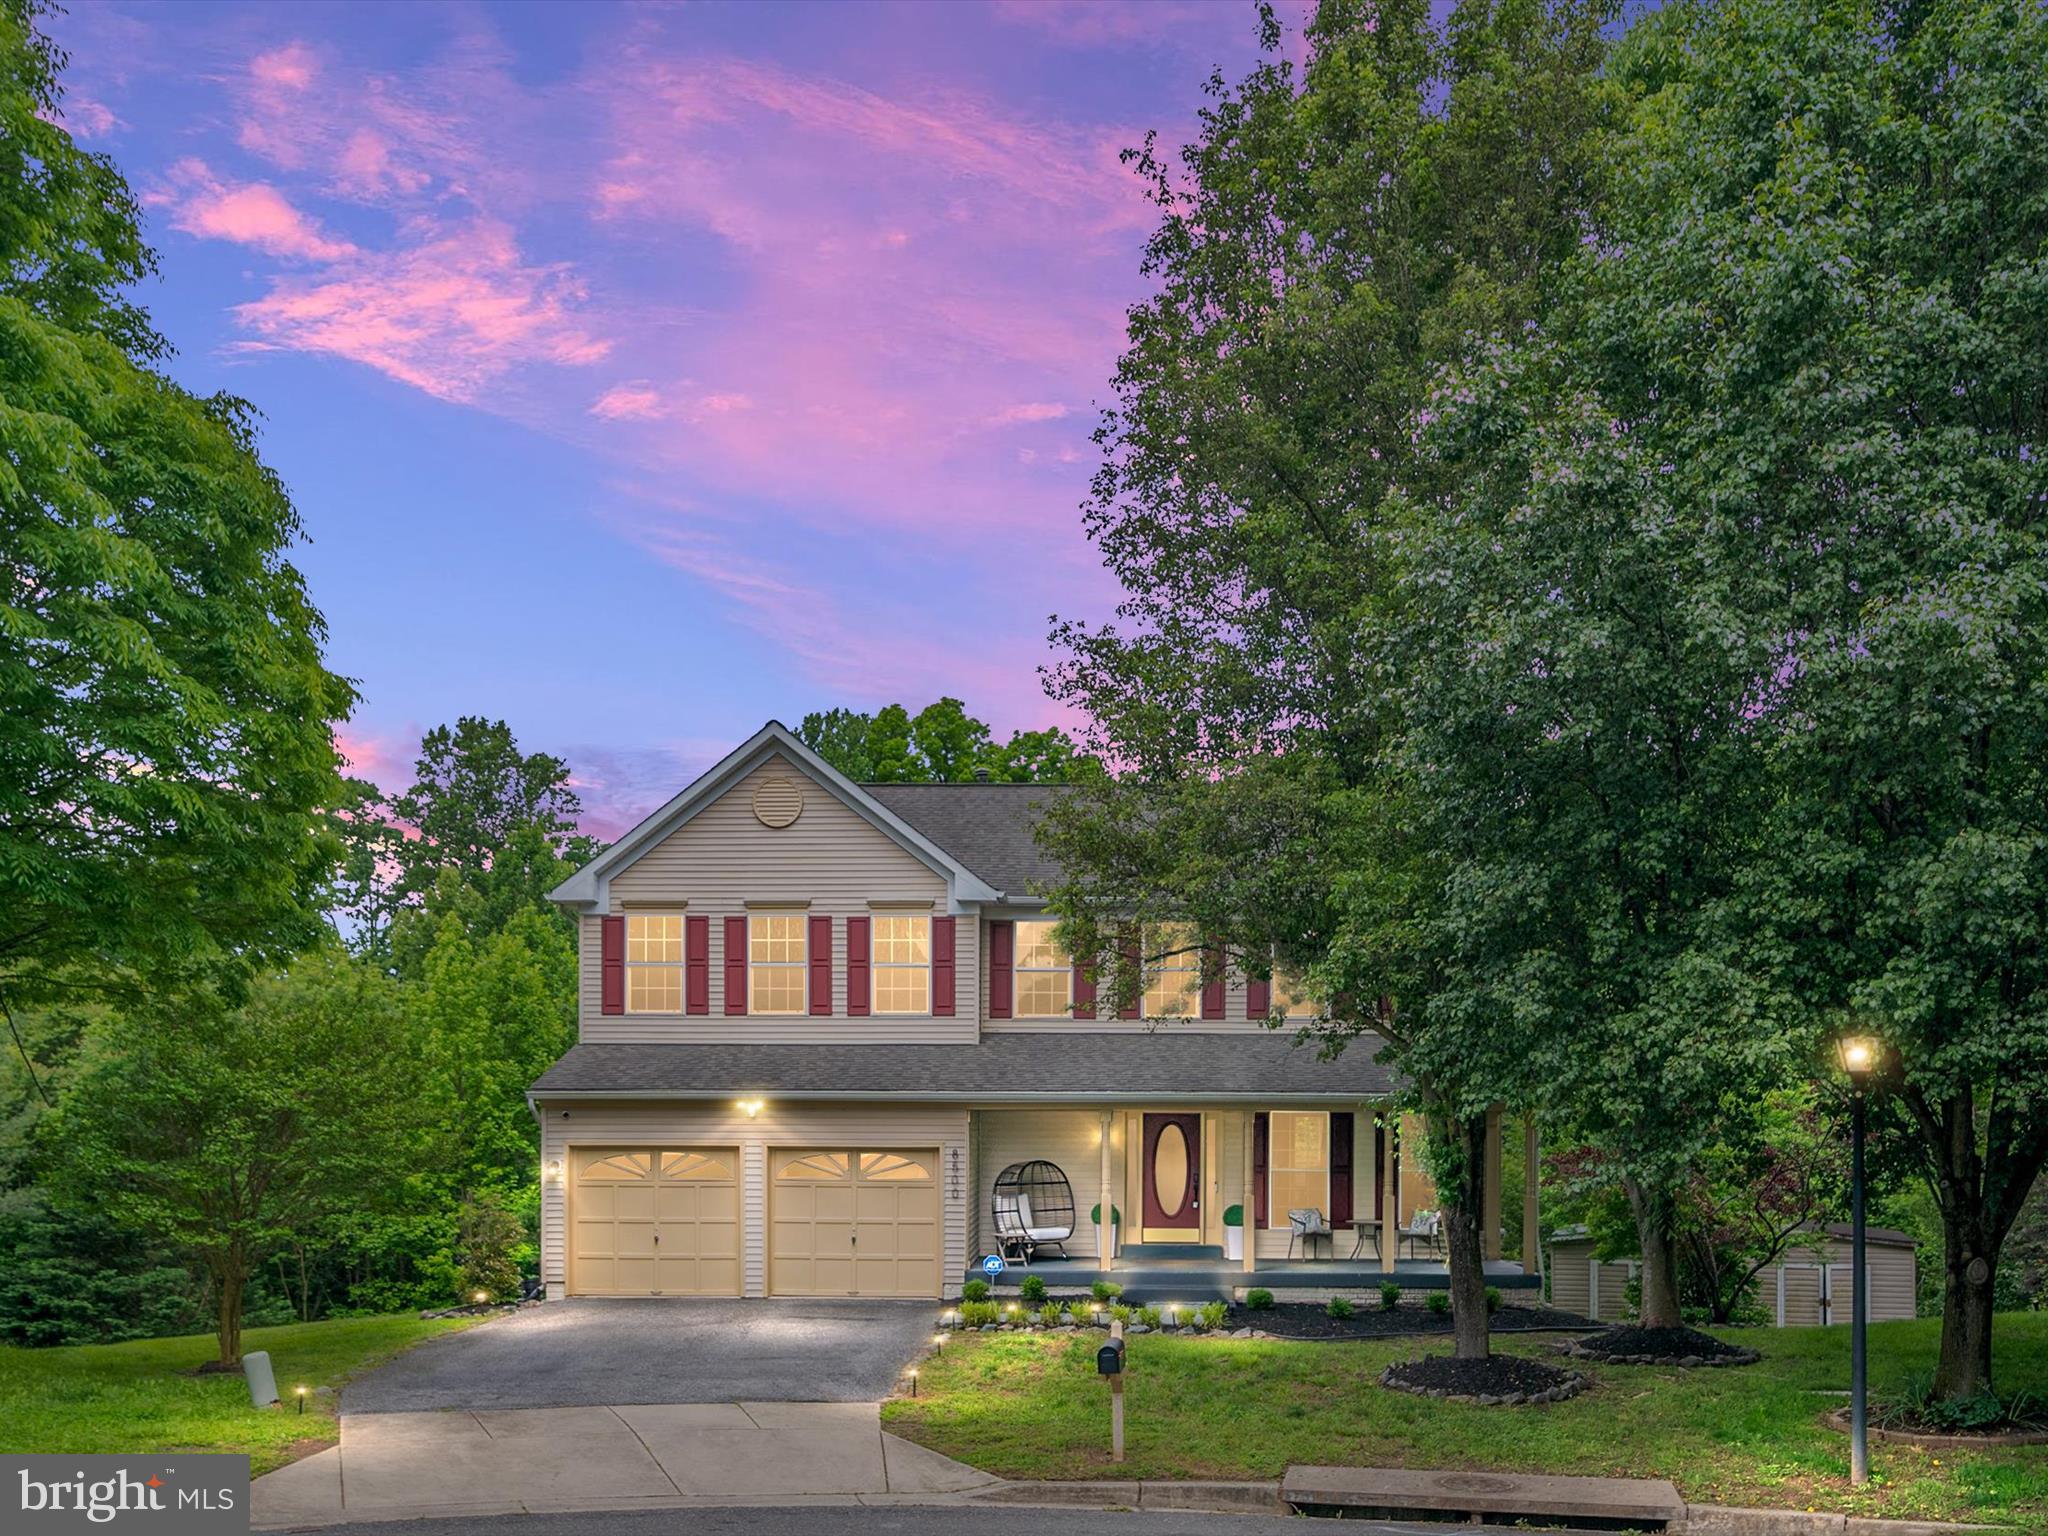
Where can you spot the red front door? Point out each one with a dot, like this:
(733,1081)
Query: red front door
(1173,1177)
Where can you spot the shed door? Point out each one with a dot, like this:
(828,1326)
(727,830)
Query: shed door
(854,1223)
(654,1221)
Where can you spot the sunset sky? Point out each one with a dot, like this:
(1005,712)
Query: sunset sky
(645,371)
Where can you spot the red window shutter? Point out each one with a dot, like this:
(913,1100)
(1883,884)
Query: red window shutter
(857,953)
(943,971)
(697,964)
(820,946)
(1133,964)
(1002,941)
(1258,998)
(1261,1133)
(1212,983)
(1084,992)
(611,960)
(736,965)
(1340,1168)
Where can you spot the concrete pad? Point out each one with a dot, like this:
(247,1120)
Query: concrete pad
(365,1430)
(562,1455)
(912,1468)
(673,1418)
(1388,1493)
(554,1424)
(772,1461)
(305,1492)
(807,1415)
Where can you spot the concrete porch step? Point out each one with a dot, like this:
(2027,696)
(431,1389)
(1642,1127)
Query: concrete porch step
(1572,1503)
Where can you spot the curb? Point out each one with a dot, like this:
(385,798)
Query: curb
(1728,1520)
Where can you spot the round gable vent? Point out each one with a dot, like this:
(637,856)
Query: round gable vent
(778,802)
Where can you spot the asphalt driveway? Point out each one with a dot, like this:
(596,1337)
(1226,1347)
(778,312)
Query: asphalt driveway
(592,1353)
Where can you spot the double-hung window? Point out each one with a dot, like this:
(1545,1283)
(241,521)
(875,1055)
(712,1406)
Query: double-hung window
(1298,1163)
(777,958)
(654,962)
(1044,974)
(1293,997)
(1173,983)
(902,963)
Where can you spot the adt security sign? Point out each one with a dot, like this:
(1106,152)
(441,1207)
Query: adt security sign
(992,1265)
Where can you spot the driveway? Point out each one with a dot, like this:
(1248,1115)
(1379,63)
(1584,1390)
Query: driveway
(591,1353)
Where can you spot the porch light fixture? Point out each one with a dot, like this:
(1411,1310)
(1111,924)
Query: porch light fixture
(554,1170)
(749,1107)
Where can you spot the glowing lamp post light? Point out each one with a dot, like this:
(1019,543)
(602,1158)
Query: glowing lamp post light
(1858,1054)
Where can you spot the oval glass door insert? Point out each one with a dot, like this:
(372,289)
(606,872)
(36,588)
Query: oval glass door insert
(1170,1169)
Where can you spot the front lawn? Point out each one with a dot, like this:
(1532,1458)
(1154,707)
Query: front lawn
(140,1397)
(1031,1406)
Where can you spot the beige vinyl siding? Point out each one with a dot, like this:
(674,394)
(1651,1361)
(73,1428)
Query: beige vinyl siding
(1070,1138)
(1235,1018)
(1798,1273)
(832,859)
(655,1123)
(1569,1287)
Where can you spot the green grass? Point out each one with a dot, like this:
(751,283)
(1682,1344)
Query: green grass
(141,1397)
(1031,1406)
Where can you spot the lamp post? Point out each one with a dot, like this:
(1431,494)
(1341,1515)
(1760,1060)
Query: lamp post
(1859,1059)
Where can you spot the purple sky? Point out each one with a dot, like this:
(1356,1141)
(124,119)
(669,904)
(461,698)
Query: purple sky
(645,371)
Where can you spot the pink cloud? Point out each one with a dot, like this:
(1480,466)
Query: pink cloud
(83,117)
(628,402)
(251,213)
(290,68)
(1037,410)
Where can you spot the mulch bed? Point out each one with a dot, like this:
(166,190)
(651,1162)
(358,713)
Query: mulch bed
(1660,1346)
(1904,1428)
(1499,1379)
(1308,1320)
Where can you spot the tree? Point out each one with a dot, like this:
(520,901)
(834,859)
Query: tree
(1818,308)
(941,744)
(1323,246)
(166,723)
(225,1132)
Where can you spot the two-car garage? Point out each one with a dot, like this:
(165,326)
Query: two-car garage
(669,1221)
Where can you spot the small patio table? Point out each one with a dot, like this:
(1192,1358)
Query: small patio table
(1364,1227)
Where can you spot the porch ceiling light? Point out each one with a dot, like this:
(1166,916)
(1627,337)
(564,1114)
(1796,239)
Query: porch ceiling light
(749,1107)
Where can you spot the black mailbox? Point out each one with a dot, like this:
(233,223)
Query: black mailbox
(1109,1360)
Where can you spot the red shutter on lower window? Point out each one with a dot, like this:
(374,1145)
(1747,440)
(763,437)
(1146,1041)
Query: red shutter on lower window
(1261,1133)
(611,963)
(1084,992)
(1133,973)
(1340,1168)
(1002,949)
(820,952)
(736,965)
(697,965)
(1212,983)
(1258,998)
(857,952)
(943,972)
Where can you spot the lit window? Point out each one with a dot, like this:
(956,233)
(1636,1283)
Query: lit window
(654,962)
(1044,974)
(776,960)
(1174,982)
(1293,996)
(1298,1163)
(903,964)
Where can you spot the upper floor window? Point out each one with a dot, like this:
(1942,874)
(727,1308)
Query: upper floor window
(1293,996)
(777,958)
(1044,975)
(902,963)
(654,962)
(1173,983)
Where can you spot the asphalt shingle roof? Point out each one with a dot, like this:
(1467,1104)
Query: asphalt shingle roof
(987,827)
(1107,1065)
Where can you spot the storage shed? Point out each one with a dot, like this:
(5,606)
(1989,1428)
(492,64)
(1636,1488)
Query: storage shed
(1808,1285)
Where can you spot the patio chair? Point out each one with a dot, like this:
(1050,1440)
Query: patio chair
(1307,1227)
(1033,1207)
(1424,1227)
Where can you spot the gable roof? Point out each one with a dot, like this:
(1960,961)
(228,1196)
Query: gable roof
(986,826)
(590,887)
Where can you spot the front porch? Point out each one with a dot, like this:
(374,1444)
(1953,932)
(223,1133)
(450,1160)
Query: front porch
(1191,1280)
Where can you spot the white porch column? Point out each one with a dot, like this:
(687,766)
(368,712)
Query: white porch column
(1246,1198)
(1105,1244)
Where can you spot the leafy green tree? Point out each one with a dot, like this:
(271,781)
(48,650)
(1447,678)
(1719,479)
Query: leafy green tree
(1325,245)
(166,724)
(941,744)
(226,1132)
(840,736)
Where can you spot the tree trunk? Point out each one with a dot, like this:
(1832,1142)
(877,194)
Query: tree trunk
(230,1278)
(1970,1259)
(1464,1201)
(1657,1239)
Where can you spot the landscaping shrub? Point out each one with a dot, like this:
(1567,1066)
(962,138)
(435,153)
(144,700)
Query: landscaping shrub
(1339,1307)
(973,1314)
(1258,1298)
(1390,1295)
(1119,1313)
(1033,1289)
(1083,1317)
(974,1290)
(1049,1315)
(1439,1303)
(1106,1291)
(485,1236)
(1493,1300)
(1215,1314)
(1152,1317)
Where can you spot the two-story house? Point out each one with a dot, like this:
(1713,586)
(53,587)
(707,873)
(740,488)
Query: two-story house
(820,1019)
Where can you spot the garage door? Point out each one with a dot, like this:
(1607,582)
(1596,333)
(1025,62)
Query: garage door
(854,1223)
(655,1221)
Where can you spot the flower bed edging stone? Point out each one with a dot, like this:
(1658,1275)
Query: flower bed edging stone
(1930,1440)
(1740,1356)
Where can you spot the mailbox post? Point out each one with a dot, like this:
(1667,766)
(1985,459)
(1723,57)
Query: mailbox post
(1109,1361)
